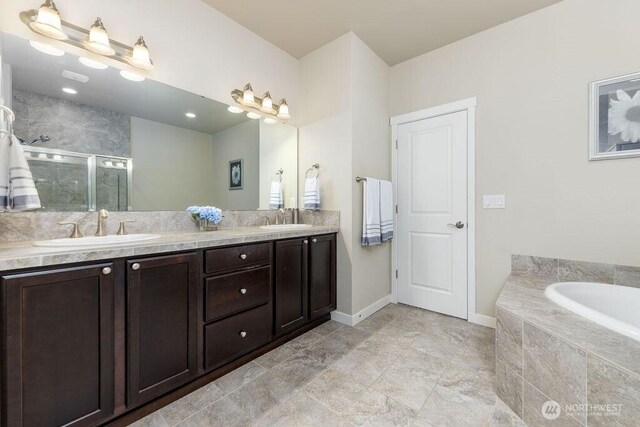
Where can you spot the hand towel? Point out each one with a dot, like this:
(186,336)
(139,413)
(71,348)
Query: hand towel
(371,231)
(4,172)
(312,193)
(386,210)
(276,201)
(23,195)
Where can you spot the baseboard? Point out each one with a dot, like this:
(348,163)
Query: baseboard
(481,319)
(353,320)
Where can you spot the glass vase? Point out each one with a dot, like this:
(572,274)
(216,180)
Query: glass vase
(206,225)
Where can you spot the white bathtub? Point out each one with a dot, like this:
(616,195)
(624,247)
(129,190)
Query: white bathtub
(614,307)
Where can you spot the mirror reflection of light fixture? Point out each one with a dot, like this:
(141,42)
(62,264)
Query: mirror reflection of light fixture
(92,64)
(270,121)
(46,48)
(129,75)
(253,115)
(283,110)
(140,56)
(190,115)
(99,39)
(48,22)
(235,110)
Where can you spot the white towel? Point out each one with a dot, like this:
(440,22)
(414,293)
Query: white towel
(371,230)
(4,173)
(276,201)
(312,193)
(386,210)
(23,195)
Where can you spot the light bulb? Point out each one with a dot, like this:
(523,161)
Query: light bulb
(247,94)
(92,64)
(235,110)
(270,121)
(45,48)
(283,110)
(99,39)
(132,76)
(48,21)
(267,103)
(253,115)
(69,90)
(140,55)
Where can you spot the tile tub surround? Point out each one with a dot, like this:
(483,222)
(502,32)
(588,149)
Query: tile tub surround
(30,226)
(545,352)
(21,255)
(376,374)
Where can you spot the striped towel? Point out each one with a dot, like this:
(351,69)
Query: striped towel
(371,230)
(276,201)
(312,193)
(23,195)
(386,210)
(4,173)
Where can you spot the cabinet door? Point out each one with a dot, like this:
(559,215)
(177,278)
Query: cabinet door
(322,275)
(161,324)
(59,357)
(291,298)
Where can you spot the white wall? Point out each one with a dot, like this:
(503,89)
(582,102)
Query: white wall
(531,78)
(238,142)
(278,150)
(172,167)
(344,128)
(194,47)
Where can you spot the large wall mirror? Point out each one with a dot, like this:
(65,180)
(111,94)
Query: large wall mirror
(96,140)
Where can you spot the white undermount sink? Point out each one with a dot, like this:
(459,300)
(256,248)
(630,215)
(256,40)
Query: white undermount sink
(96,241)
(286,227)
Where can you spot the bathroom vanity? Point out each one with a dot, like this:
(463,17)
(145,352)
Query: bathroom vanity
(87,343)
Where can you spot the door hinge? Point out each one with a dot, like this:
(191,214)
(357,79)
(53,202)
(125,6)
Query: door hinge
(396,273)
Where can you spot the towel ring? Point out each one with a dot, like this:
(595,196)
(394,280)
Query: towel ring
(278,176)
(10,118)
(315,167)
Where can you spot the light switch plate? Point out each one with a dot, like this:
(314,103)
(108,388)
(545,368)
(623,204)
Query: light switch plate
(494,201)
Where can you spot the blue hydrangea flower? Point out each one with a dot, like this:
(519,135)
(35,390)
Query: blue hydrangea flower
(209,213)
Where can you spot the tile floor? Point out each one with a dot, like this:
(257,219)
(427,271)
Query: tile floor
(401,366)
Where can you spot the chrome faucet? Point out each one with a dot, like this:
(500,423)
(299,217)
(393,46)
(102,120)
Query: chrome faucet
(103,214)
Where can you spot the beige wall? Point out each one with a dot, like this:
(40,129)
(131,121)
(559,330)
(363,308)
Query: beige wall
(171,166)
(238,142)
(279,150)
(344,128)
(531,78)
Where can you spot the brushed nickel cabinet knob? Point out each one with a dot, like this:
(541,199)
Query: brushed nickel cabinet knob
(305,241)
(243,256)
(243,291)
(106,270)
(243,334)
(314,240)
(135,266)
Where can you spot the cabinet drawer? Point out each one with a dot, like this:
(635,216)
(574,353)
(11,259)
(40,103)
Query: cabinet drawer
(217,260)
(236,292)
(230,338)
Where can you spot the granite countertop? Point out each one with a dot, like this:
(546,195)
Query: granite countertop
(20,255)
(523,295)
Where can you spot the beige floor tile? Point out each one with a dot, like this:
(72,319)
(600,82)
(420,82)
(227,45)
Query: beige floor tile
(364,365)
(185,407)
(241,376)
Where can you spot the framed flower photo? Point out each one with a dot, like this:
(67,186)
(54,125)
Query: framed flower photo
(236,174)
(615,118)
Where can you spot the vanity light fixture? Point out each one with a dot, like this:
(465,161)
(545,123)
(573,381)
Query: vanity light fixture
(235,110)
(69,90)
(47,21)
(129,75)
(99,39)
(46,48)
(140,56)
(259,107)
(190,115)
(92,64)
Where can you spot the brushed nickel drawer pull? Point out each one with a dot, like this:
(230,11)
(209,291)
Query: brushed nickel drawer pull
(305,241)
(243,291)
(243,334)
(315,240)
(135,266)
(243,256)
(106,270)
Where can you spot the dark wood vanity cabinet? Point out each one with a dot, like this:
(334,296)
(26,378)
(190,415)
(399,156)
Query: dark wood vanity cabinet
(162,316)
(322,275)
(58,346)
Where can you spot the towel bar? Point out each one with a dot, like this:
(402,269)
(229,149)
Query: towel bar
(360,179)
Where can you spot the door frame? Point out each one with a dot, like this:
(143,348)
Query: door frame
(468,105)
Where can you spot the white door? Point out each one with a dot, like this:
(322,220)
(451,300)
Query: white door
(432,214)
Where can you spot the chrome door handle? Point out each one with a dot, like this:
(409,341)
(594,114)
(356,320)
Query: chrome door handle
(457,225)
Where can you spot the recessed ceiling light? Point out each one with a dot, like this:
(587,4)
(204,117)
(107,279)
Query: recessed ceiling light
(235,110)
(69,90)
(190,115)
(253,115)
(45,48)
(270,121)
(132,76)
(92,64)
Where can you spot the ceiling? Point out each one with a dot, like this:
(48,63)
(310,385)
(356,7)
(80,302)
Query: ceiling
(33,71)
(396,30)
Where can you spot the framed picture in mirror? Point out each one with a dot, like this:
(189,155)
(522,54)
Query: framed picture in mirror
(615,118)
(236,173)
